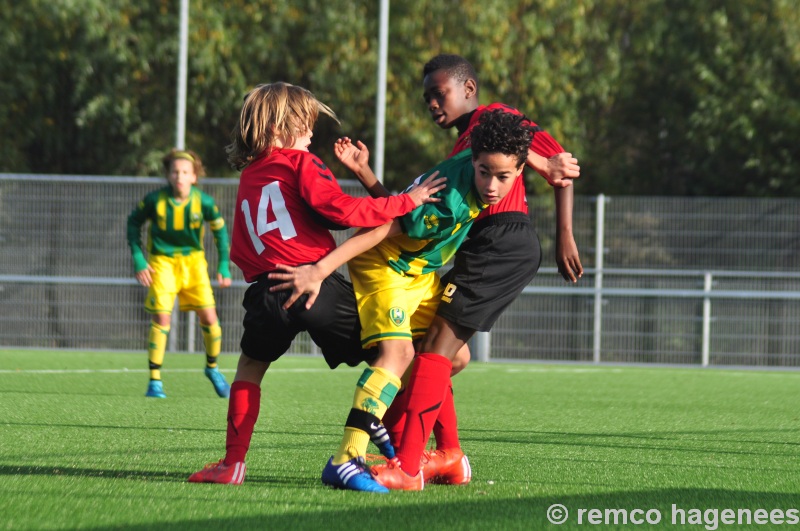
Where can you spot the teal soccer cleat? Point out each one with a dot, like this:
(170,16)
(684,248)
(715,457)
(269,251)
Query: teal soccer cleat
(351,475)
(155,389)
(220,385)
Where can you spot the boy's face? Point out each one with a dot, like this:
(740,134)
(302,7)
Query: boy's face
(495,174)
(447,99)
(181,177)
(302,140)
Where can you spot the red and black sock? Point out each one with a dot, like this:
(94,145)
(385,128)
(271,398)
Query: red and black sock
(243,407)
(446,428)
(395,418)
(426,392)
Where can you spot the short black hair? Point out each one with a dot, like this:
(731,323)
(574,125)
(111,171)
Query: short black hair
(456,67)
(499,131)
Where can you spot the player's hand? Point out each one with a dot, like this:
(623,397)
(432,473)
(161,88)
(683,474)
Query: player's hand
(354,157)
(223,282)
(145,276)
(421,192)
(305,279)
(562,169)
(567,258)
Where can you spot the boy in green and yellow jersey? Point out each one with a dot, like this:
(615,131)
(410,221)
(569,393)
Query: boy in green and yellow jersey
(393,270)
(176,263)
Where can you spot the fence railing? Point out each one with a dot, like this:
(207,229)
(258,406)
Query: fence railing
(717,314)
(702,281)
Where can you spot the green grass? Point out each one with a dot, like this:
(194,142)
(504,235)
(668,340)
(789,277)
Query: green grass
(81,447)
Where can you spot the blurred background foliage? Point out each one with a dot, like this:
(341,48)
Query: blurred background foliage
(655,97)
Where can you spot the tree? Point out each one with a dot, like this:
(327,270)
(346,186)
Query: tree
(654,97)
(706,100)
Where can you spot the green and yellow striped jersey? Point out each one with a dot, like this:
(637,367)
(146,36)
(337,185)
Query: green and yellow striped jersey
(433,232)
(176,229)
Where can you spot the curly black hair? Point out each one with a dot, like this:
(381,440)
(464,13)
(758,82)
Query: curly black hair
(502,132)
(456,67)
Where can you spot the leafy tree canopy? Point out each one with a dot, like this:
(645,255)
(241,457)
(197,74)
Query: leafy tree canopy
(654,97)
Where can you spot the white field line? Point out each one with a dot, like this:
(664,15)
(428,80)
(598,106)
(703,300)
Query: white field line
(123,371)
(475,367)
(510,370)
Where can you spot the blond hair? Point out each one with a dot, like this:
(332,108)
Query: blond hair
(269,112)
(185,154)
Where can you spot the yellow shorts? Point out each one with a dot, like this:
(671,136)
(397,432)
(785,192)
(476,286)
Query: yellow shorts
(390,305)
(184,276)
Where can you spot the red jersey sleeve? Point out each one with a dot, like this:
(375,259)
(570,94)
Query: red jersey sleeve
(322,192)
(543,144)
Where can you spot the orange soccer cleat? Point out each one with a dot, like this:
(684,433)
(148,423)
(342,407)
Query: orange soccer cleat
(446,467)
(220,473)
(393,477)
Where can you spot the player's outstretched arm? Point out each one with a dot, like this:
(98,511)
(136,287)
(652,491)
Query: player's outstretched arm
(422,192)
(356,159)
(558,170)
(307,279)
(567,257)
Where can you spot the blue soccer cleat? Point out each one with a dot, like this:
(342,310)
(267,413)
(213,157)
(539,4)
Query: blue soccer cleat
(155,389)
(351,475)
(220,385)
(380,438)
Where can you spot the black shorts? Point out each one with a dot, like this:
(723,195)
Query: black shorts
(490,269)
(332,322)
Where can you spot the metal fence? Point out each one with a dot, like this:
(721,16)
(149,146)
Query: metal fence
(703,281)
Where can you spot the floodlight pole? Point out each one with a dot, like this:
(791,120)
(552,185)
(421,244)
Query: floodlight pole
(180,143)
(183,60)
(380,104)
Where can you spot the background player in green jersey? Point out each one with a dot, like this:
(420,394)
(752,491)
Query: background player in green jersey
(397,287)
(176,263)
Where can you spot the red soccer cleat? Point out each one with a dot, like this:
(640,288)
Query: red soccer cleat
(446,467)
(393,477)
(220,473)
(375,459)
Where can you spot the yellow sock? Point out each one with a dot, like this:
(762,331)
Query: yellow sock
(156,345)
(375,391)
(212,338)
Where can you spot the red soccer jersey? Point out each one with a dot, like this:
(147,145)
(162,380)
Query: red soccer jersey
(542,144)
(286,203)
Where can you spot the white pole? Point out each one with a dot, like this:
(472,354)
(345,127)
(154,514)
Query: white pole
(708,282)
(599,244)
(180,143)
(483,346)
(380,104)
(183,60)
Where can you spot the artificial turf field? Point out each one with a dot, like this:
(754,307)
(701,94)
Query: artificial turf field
(82,448)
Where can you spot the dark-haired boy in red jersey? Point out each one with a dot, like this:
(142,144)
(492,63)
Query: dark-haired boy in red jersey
(475,295)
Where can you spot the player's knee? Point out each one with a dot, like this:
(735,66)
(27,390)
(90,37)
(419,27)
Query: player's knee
(460,361)
(250,370)
(207,316)
(162,319)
